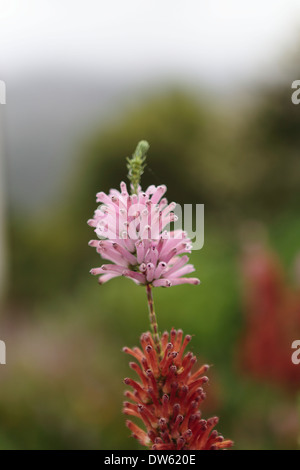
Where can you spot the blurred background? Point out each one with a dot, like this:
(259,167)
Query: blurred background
(208,84)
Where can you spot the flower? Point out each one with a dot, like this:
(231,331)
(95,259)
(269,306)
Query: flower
(167,397)
(272,320)
(133,237)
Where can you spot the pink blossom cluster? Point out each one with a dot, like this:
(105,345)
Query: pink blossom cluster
(133,236)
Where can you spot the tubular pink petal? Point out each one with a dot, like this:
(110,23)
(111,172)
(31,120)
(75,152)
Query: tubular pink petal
(143,198)
(92,223)
(139,277)
(170,244)
(177,265)
(128,244)
(150,190)
(169,208)
(123,188)
(189,268)
(162,283)
(168,256)
(140,251)
(184,248)
(143,268)
(113,267)
(150,272)
(107,277)
(102,197)
(113,256)
(185,280)
(96,271)
(93,243)
(158,194)
(160,269)
(125,253)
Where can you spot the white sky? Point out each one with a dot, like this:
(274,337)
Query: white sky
(216,43)
(218,40)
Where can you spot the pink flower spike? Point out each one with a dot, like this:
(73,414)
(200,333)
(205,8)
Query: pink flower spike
(133,239)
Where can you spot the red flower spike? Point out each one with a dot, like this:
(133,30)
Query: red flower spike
(272,320)
(167,397)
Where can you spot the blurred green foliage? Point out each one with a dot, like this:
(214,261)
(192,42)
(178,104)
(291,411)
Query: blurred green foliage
(66,392)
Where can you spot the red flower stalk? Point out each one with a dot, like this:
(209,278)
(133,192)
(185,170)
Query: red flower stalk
(168,395)
(272,319)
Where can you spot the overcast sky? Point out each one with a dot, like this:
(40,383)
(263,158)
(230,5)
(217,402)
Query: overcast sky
(215,40)
(121,46)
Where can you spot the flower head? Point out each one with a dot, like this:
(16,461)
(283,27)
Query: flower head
(167,397)
(132,236)
(272,319)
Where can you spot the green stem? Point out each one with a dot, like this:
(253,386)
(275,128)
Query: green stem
(153,321)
